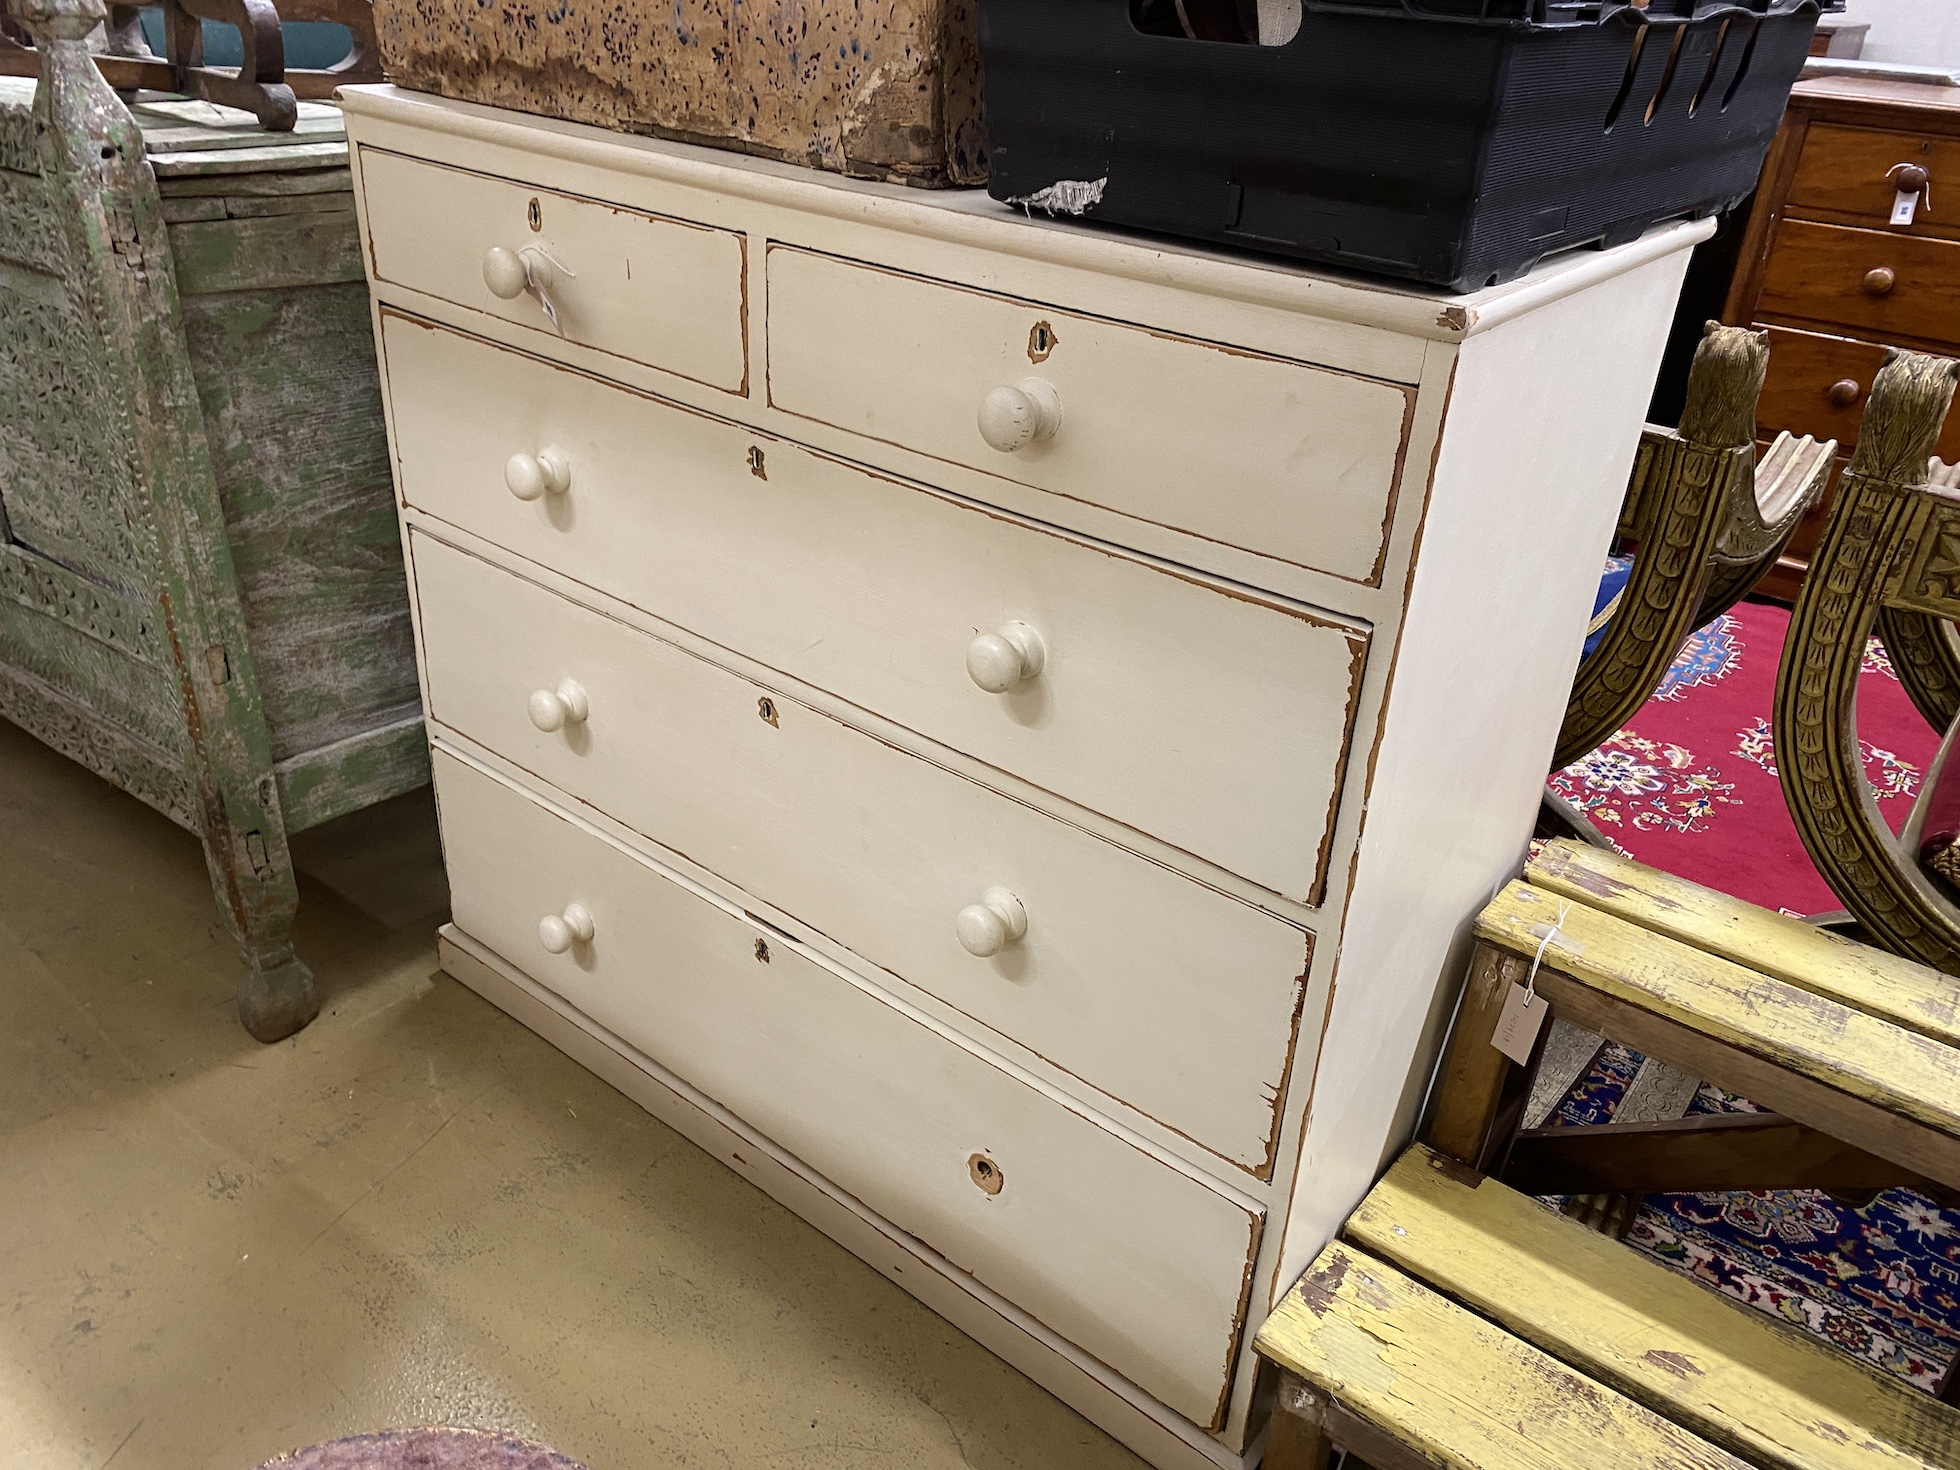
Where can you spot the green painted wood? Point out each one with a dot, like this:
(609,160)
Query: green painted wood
(201,586)
(234,187)
(292,414)
(288,250)
(318,785)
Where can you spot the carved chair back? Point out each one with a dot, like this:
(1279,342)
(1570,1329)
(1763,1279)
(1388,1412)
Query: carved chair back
(1889,564)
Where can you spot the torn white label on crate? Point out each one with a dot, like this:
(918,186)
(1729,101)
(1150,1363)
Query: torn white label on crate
(1065,196)
(1519,1023)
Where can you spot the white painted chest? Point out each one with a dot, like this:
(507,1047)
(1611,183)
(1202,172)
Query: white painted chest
(995,730)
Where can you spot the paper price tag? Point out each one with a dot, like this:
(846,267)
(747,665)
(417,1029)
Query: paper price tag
(1905,208)
(1519,1023)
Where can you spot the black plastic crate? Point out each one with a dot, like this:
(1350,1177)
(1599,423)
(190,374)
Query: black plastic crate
(1456,142)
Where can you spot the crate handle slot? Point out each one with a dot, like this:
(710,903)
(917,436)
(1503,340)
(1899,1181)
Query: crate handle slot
(1714,66)
(1667,76)
(1626,82)
(1742,67)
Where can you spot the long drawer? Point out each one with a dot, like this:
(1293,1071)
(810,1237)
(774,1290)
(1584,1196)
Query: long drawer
(1215,720)
(669,293)
(1877,284)
(1258,452)
(1169,995)
(1818,385)
(1137,1262)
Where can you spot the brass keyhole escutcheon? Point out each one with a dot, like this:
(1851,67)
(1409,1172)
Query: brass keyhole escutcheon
(985,1173)
(762,950)
(758,466)
(1041,342)
(766,708)
(534,213)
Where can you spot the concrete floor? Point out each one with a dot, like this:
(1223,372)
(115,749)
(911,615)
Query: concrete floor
(414,1212)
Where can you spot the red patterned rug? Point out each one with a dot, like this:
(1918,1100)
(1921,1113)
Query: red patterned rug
(1690,786)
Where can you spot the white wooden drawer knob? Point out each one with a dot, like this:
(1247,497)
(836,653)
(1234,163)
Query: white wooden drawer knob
(530,476)
(1013,418)
(504,274)
(559,932)
(510,273)
(553,709)
(989,926)
(1001,659)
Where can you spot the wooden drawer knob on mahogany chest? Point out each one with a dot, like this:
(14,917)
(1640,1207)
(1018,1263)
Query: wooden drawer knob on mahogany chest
(530,476)
(1013,418)
(1845,392)
(559,932)
(998,661)
(989,926)
(553,709)
(1880,281)
(511,273)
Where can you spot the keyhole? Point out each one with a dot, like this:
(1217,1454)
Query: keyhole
(757,466)
(535,214)
(1041,342)
(766,707)
(762,950)
(986,1173)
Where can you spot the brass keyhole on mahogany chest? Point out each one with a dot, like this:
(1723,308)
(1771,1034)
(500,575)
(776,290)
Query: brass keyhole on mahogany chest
(1041,342)
(986,1173)
(766,707)
(535,214)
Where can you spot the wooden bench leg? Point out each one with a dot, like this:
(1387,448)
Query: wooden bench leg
(1296,1439)
(1477,1082)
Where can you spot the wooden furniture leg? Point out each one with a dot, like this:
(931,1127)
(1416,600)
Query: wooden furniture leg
(1480,1087)
(1296,1439)
(93,154)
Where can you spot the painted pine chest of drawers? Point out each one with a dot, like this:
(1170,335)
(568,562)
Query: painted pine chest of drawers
(995,730)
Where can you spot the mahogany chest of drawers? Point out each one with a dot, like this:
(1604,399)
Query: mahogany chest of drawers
(994,729)
(1838,269)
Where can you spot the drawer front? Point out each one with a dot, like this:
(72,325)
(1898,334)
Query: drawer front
(1258,452)
(1884,286)
(1218,723)
(1852,173)
(665,292)
(1136,1262)
(1164,993)
(1818,385)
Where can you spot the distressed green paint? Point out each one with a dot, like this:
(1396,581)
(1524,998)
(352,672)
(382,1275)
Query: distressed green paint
(203,595)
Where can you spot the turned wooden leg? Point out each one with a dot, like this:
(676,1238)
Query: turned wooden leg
(1477,1082)
(253,881)
(1296,1439)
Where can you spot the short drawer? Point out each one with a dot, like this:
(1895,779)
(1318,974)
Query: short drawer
(1818,385)
(1853,173)
(1215,720)
(1258,452)
(1875,284)
(669,293)
(1169,995)
(1138,1262)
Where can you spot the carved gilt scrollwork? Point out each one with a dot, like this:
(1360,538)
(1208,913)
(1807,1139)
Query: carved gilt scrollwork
(1684,486)
(1887,544)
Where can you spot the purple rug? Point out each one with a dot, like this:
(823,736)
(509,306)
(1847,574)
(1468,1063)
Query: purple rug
(425,1449)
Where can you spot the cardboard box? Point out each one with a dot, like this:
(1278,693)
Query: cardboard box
(886,89)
